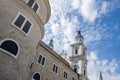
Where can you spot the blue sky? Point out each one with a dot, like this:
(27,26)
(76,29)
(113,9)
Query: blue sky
(99,22)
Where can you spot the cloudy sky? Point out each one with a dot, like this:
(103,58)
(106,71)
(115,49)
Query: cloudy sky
(99,22)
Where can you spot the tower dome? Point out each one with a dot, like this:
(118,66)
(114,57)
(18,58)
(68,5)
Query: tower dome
(78,38)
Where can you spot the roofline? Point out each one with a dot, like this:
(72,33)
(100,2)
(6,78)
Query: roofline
(52,52)
(48,9)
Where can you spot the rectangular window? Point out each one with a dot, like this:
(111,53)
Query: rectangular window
(55,68)
(33,5)
(19,21)
(41,60)
(83,52)
(22,23)
(65,75)
(26,26)
(73,78)
(76,51)
(84,72)
(30,3)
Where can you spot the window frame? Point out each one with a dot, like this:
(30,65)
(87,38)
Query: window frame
(73,78)
(22,26)
(55,68)
(76,51)
(34,5)
(42,59)
(34,74)
(65,76)
(84,52)
(8,51)
(84,72)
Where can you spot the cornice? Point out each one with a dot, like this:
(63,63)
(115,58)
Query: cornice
(48,9)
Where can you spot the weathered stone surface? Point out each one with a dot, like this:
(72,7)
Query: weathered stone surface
(18,69)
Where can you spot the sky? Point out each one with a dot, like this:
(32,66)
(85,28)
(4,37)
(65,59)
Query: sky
(99,23)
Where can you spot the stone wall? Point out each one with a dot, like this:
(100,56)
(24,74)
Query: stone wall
(51,57)
(18,68)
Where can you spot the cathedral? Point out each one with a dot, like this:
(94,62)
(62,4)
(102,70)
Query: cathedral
(23,54)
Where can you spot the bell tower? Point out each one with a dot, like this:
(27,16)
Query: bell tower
(78,57)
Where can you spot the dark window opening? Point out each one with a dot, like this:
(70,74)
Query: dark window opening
(35,7)
(10,47)
(41,60)
(84,72)
(36,76)
(83,52)
(65,75)
(76,51)
(55,68)
(30,3)
(31,65)
(75,69)
(19,21)
(26,27)
(73,78)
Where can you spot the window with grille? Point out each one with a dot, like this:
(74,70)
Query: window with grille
(33,4)
(65,75)
(41,60)
(55,68)
(22,23)
(10,46)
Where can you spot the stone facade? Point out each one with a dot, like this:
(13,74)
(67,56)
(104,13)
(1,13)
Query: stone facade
(51,58)
(17,68)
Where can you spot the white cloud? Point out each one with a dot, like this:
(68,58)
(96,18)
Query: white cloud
(107,67)
(76,4)
(62,29)
(92,35)
(93,56)
(87,8)
(104,7)
(55,29)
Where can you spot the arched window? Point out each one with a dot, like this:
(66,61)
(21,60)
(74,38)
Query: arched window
(36,76)
(76,51)
(10,46)
(75,69)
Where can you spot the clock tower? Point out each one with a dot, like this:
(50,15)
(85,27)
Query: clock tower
(78,57)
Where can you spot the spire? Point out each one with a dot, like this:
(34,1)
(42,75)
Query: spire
(51,43)
(79,37)
(63,54)
(101,78)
